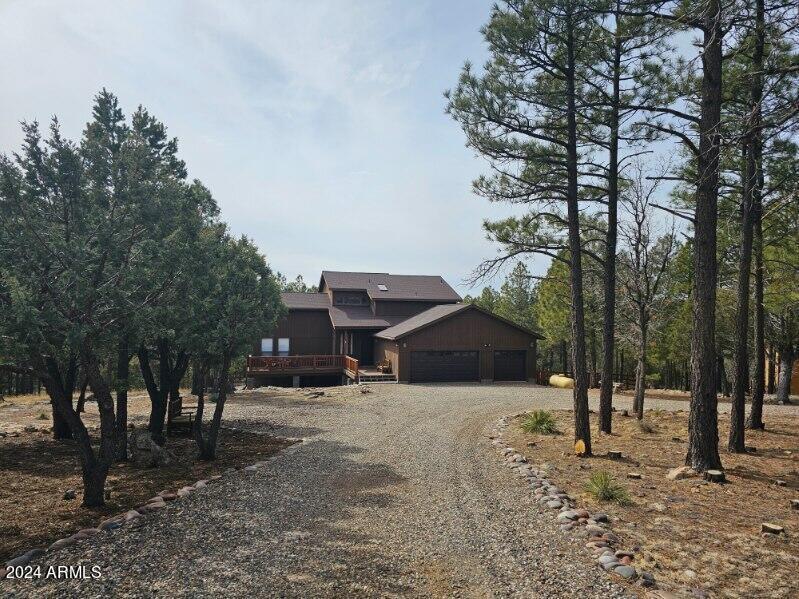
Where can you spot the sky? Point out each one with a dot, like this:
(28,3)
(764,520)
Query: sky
(319,126)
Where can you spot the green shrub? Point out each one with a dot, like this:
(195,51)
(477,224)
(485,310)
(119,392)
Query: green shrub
(42,416)
(540,421)
(602,487)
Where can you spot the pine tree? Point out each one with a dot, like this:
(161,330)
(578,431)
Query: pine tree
(525,113)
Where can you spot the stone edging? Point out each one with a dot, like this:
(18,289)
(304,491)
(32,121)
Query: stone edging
(153,504)
(595,527)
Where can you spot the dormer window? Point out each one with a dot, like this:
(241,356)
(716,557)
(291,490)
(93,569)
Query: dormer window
(382,287)
(350,298)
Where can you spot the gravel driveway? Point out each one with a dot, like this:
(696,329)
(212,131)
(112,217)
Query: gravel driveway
(393,493)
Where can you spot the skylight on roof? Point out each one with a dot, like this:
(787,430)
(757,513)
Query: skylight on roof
(382,287)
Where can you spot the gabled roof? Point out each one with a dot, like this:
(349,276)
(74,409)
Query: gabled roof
(305,301)
(381,285)
(437,314)
(359,317)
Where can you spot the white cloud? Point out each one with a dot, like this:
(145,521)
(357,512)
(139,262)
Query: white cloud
(319,126)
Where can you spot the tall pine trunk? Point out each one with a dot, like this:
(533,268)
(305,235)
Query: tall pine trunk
(703,418)
(582,428)
(755,420)
(609,308)
(787,357)
(736,442)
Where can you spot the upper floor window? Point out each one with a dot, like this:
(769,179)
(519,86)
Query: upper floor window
(283,346)
(344,298)
(267,346)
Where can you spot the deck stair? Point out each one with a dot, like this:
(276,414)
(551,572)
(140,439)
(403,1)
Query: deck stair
(373,376)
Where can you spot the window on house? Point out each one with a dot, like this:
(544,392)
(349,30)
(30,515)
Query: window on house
(283,346)
(350,299)
(266,347)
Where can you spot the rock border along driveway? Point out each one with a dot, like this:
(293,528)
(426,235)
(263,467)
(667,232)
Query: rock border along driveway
(395,492)
(595,527)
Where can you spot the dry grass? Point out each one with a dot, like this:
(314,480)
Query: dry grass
(708,529)
(35,471)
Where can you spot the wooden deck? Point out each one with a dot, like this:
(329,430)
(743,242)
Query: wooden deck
(314,364)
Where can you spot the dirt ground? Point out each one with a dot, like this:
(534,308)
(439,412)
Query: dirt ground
(677,395)
(690,533)
(35,471)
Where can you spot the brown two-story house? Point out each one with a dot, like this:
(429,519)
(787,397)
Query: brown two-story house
(414,328)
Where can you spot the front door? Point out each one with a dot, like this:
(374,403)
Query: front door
(363,347)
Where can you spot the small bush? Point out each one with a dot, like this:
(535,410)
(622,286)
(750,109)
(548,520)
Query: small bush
(540,421)
(42,416)
(602,487)
(646,427)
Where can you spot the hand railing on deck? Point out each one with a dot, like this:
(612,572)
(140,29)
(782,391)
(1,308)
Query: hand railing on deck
(289,363)
(351,364)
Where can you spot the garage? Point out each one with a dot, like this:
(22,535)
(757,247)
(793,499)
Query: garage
(457,342)
(444,366)
(510,365)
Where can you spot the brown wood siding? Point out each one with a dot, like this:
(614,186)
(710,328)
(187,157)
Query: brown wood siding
(469,330)
(387,350)
(402,309)
(309,332)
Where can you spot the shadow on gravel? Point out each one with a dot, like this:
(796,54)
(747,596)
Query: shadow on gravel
(308,523)
(276,430)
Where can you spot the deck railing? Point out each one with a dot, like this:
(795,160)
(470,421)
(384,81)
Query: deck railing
(351,364)
(288,364)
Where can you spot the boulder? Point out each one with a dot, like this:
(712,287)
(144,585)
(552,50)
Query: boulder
(20,560)
(681,473)
(69,494)
(106,525)
(795,504)
(88,531)
(627,572)
(61,543)
(647,579)
(146,453)
(771,529)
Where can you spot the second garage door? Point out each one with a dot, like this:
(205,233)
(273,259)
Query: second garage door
(510,365)
(444,366)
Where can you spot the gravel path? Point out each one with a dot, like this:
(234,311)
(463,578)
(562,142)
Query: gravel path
(393,493)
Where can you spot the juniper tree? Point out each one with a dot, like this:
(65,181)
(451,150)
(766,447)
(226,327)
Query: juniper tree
(241,297)
(83,227)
